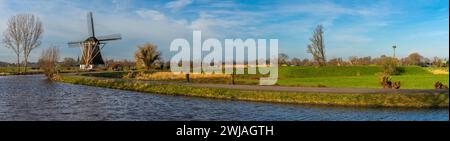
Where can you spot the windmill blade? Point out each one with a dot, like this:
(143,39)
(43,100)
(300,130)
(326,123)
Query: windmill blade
(90,21)
(75,43)
(110,37)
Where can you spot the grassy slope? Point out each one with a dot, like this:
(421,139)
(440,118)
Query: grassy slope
(373,100)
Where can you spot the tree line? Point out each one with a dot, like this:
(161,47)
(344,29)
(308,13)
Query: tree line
(414,59)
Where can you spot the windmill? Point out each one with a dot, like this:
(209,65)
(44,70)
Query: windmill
(91,47)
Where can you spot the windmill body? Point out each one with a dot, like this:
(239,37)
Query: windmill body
(92,46)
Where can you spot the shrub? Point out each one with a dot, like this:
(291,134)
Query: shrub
(390,67)
(48,62)
(129,75)
(386,83)
(440,85)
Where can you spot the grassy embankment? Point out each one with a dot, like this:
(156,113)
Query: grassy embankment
(370,100)
(13,70)
(411,77)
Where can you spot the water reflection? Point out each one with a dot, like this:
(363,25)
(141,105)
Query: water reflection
(34,98)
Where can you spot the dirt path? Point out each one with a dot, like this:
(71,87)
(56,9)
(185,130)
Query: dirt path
(292,89)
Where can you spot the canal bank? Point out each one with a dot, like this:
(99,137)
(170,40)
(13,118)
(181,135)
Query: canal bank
(414,100)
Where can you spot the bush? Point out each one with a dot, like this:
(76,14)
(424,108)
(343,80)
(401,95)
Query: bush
(386,82)
(390,66)
(130,75)
(48,62)
(440,85)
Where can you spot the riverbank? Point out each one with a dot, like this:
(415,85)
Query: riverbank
(416,100)
(8,71)
(23,73)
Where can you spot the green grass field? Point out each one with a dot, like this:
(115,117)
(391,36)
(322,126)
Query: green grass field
(407,81)
(357,77)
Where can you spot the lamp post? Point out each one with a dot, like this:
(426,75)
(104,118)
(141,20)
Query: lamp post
(394,47)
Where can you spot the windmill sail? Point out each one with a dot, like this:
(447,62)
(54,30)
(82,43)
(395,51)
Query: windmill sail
(75,43)
(91,30)
(110,37)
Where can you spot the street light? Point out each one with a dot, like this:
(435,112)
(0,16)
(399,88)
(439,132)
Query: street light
(394,47)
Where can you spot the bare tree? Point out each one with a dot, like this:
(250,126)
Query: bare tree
(414,59)
(438,62)
(32,31)
(48,62)
(12,38)
(296,62)
(354,60)
(317,47)
(336,62)
(23,34)
(147,55)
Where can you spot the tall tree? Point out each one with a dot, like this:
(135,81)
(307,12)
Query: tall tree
(147,54)
(12,38)
(438,62)
(414,59)
(33,31)
(317,47)
(23,34)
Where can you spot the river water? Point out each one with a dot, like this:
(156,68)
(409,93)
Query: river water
(26,98)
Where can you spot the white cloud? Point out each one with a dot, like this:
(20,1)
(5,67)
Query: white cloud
(152,14)
(178,4)
(222,26)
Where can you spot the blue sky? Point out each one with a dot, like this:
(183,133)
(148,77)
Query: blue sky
(352,27)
